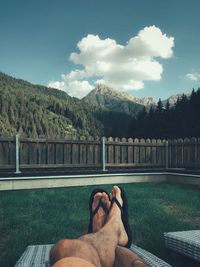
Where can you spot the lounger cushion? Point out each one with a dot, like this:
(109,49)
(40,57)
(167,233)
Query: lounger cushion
(184,242)
(38,256)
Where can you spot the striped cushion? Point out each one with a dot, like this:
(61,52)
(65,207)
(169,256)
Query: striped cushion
(38,256)
(35,256)
(184,242)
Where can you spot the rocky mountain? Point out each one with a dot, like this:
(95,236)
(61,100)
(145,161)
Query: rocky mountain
(146,101)
(173,99)
(114,100)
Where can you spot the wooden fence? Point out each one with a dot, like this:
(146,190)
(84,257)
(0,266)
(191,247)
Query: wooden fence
(112,152)
(184,153)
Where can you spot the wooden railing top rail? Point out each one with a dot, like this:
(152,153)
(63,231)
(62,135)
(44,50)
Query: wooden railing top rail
(109,140)
(134,144)
(7,139)
(58,141)
(83,140)
(191,141)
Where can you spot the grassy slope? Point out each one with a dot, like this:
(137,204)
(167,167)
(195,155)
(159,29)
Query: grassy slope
(44,216)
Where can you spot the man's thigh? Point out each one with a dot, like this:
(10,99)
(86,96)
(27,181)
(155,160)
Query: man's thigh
(73,262)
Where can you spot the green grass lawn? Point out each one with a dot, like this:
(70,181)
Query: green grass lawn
(45,216)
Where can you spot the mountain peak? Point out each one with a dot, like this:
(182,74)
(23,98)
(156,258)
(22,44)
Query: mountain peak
(106,96)
(113,99)
(106,90)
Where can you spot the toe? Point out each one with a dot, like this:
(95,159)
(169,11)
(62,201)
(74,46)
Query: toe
(106,200)
(117,193)
(96,200)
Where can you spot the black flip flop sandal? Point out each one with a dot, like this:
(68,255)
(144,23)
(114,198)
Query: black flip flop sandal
(124,215)
(93,212)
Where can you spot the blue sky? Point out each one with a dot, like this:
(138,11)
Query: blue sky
(146,47)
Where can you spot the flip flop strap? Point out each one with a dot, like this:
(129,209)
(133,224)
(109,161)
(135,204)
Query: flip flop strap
(101,204)
(114,200)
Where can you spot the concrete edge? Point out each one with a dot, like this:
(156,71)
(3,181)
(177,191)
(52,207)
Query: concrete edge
(74,176)
(183,179)
(41,182)
(83,180)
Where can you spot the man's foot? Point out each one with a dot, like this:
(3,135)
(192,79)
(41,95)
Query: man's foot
(101,202)
(115,214)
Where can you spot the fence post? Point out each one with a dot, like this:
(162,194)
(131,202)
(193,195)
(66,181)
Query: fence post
(17,153)
(103,154)
(167,153)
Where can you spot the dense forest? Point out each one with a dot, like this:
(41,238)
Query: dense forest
(38,111)
(178,121)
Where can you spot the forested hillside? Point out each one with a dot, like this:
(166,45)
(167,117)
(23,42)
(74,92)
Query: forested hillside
(178,121)
(38,111)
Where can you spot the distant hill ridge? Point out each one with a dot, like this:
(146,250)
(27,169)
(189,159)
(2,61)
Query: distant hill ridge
(39,111)
(116,100)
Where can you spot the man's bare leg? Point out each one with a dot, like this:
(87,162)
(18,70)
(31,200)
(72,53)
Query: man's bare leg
(124,257)
(98,248)
(73,262)
(112,234)
(67,248)
(64,247)
(74,248)
(100,217)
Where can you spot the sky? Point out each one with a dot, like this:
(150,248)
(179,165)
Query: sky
(148,48)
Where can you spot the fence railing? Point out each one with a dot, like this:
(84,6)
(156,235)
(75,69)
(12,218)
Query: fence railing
(22,153)
(184,153)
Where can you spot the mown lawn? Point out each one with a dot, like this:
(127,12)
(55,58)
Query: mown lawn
(45,216)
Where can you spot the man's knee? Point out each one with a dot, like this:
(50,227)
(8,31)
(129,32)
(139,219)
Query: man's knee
(73,248)
(58,251)
(138,263)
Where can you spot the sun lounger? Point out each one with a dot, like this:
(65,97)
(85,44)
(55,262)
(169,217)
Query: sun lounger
(184,242)
(35,256)
(149,258)
(38,256)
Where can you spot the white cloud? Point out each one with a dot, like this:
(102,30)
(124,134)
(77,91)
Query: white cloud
(194,76)
(57,85)
(151,42)
(73,88)
(125,67)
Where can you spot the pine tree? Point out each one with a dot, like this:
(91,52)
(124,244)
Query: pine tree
(167,106)
(159,107)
